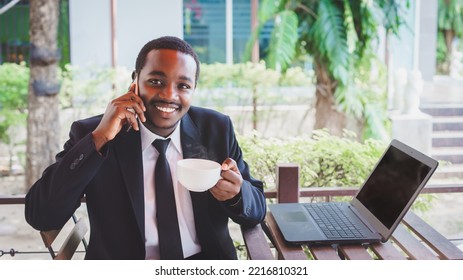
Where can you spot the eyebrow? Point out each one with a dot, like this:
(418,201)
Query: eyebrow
(162,74)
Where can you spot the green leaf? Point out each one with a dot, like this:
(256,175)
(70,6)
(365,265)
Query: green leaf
(268,9)
(14,82)
(450,16)
(391,16)
(330,34)
(282,49)
(324,160)
(338,35)
(356,12)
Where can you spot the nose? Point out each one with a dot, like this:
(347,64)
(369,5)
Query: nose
(169,92)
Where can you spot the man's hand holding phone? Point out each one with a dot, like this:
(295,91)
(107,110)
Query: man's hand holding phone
(134,89)
(121,111)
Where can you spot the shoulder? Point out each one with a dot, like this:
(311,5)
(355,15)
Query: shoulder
(86,125)
(199,114)
(208,122)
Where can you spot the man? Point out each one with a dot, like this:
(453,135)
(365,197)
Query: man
(113,167)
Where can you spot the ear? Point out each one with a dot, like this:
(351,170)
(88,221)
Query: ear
(134,75)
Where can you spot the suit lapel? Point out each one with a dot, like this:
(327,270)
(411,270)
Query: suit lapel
(127,146)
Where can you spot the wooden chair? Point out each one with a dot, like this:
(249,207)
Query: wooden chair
(257,246)
(255,238)
(70,244)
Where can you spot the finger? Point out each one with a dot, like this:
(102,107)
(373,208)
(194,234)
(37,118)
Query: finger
(132,97)
(137,104)
(139,101)
(132,87)
(230,164)
(131,118)
(137,109)
(227,188)
(231,176)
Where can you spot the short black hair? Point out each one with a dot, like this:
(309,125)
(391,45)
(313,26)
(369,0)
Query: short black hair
(162,43)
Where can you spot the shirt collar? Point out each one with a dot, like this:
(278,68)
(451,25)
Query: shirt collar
(148,137)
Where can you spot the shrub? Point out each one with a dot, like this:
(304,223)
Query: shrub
(14,82)
(324,160)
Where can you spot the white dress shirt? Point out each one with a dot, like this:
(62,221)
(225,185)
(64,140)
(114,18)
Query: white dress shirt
(174,153)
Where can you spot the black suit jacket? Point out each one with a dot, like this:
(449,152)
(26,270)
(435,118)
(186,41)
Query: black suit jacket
(112,184)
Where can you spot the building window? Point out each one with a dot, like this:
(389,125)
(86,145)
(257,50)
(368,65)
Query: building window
(14,32)
(205,29)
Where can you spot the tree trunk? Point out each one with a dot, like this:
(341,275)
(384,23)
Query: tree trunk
(43,126)
(326,113)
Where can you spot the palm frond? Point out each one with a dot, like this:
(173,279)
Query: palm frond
(375,118)
(356,11)
(330,35)
(364,25)
(350,100)
(390,10)
(282,48)
(268,9)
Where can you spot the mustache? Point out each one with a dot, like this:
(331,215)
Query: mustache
(157,102)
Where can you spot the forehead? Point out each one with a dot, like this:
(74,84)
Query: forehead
(167,60)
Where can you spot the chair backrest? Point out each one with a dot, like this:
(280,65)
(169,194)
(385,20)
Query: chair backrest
(288,189)
(70,244)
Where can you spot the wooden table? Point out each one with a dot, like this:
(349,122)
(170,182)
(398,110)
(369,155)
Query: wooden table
(413,239)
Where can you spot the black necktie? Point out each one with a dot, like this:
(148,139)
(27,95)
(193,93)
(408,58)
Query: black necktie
(170,244)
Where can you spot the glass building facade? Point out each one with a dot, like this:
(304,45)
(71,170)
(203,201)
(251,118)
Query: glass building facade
(205,28)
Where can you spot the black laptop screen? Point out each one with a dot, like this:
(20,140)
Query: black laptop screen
(391,185)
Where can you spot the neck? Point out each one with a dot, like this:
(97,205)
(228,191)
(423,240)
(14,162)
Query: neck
(161,131)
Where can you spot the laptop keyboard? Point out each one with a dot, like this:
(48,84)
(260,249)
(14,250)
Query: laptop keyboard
(332,221)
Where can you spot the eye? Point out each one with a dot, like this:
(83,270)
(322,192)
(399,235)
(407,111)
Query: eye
(184,86)
(156,82)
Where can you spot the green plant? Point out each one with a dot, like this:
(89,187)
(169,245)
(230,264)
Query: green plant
(246,84)
(450,27)
(14,80)
(339,36)
(296,77)
(324,160)
(366,98)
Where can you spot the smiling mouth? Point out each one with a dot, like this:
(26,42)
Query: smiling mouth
(166,109)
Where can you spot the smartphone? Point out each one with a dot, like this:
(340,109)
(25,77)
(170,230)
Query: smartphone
(135,81)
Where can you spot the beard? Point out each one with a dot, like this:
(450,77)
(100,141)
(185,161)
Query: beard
(161,130)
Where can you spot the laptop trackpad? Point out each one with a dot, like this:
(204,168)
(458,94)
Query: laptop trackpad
(296,216)
(296,226)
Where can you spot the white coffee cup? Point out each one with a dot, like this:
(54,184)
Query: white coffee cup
(198,175)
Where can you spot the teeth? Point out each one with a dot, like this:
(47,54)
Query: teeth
(166,109)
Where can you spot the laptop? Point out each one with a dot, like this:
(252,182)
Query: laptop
(373,213)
